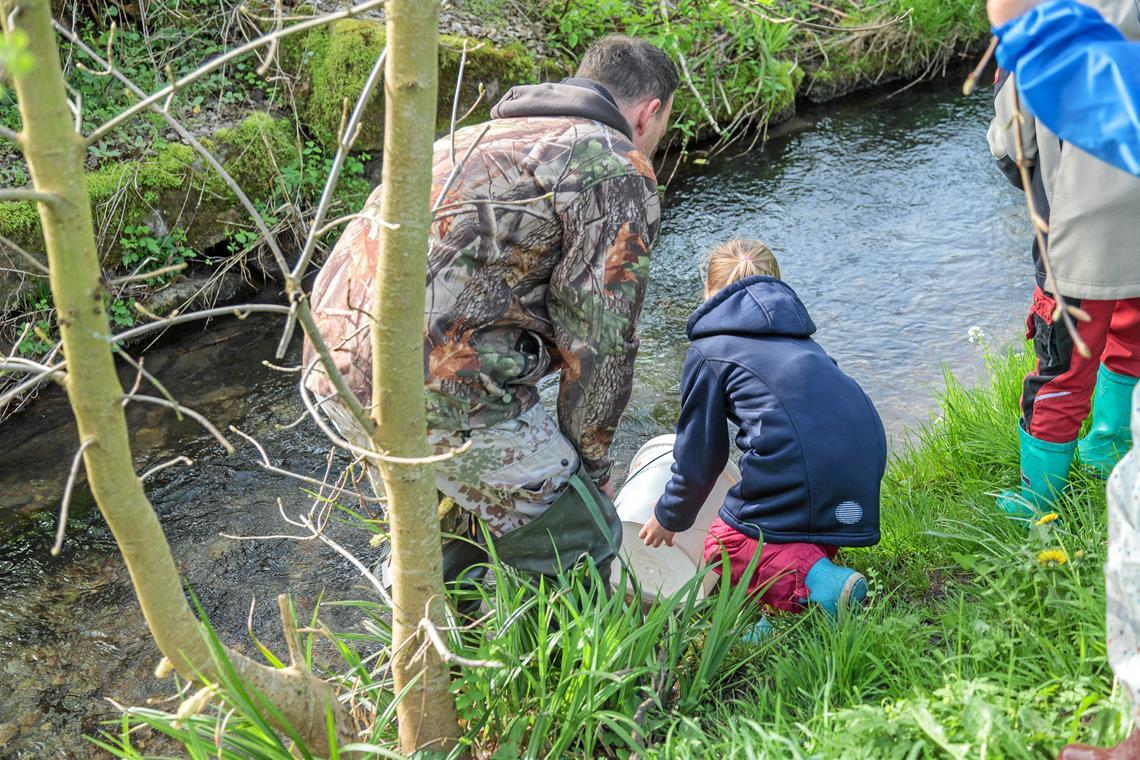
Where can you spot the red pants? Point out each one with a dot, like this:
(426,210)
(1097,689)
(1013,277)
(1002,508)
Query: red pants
(781,569)
(1056,396)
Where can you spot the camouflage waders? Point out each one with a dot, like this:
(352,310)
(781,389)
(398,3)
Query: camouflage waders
(524,479)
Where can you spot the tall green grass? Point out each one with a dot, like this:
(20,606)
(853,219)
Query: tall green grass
(971,646)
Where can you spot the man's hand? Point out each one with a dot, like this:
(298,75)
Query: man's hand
(1002,11)
(608,489)
(654,535)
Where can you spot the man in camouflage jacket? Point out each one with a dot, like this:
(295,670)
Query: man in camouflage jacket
(538,263)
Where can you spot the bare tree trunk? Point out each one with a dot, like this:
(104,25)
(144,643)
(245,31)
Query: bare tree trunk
(426,715)
(55,154)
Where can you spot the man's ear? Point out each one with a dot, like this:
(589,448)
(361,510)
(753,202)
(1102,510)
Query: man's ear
(649,109)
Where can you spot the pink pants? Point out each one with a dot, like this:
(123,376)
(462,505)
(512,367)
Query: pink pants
(779,574)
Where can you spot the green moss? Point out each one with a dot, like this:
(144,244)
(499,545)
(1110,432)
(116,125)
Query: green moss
(172,186)
(253,150)
(333,65)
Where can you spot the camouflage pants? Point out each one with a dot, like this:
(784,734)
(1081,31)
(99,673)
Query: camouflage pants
(511,473)
(1122,570)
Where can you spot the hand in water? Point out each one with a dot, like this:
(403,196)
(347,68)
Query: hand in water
(654,535)
(1002,11)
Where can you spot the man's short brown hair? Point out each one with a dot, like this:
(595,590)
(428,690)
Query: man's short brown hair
(631,69)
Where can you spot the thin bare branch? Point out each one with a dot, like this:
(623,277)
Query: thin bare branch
(455,169)
(140,276)
(32,260)
(229,447)
(1039,228)
(267,465)
(972,80)
(65,503)
(241,312)
(455,98)
(170,463)
(329,226)
(343,147)
(271,54)
(446,654)
(368,574)
(138,365)
(27,194)
(215,64)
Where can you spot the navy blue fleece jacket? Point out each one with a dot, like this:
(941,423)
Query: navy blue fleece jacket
(814,451)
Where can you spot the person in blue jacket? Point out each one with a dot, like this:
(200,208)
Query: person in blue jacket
(1076,73)
(813,446)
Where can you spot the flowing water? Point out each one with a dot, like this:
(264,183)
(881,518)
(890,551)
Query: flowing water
(889,220)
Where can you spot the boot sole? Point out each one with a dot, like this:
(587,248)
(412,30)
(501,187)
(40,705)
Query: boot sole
(854,592)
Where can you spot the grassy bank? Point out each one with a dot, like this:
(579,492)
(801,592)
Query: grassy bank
(984,638)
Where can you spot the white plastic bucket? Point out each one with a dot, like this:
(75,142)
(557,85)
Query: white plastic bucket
(664,570)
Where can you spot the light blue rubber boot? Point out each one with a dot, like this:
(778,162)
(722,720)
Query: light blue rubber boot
(834,588)
(1044,475)
(1109,437)
(758,632)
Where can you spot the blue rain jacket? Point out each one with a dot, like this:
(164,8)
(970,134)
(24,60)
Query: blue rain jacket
(1079,76)
(813,446)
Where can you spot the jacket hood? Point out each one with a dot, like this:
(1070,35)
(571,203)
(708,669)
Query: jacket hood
(757,306)
(580,98)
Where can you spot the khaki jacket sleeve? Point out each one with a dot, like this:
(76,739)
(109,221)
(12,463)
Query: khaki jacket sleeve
(1002,135)
(594,300)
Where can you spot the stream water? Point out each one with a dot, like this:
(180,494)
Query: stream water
(889,220)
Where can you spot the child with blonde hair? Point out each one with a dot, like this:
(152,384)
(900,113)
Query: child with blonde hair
(813,446)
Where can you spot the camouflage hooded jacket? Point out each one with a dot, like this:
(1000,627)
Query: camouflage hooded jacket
(538,263)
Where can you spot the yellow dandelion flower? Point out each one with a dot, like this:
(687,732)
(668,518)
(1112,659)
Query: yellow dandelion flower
(1056,556)
(1046,519)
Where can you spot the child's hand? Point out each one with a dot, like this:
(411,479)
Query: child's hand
(654,535)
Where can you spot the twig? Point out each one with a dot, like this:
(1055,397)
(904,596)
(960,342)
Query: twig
(455,99)
(442,211)
(32,260)
(271,54)
(148,275)
(458,167)
(343,147)
(329,226)
(314,412)
(437,642)
(65,504)
(689,77)
(1039,226)
(153,380)
(159,467)
(229,447)
(241,312)
(266,465)
(972,80)
(211,66)
(368,574)
(27,194)
(9,134)
(110,66)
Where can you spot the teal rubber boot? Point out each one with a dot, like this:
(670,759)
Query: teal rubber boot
(834,588)
(759,631)
(1109,437)
(1044,475)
